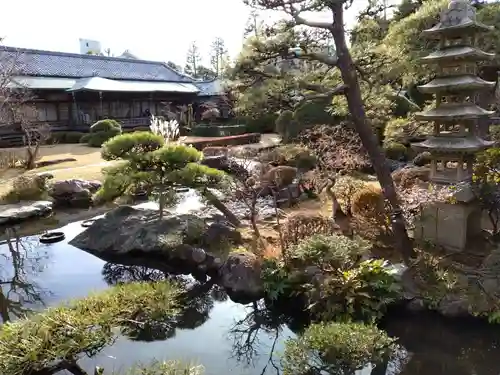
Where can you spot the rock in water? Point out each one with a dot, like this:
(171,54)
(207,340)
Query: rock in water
(128,231)
(241,277)
(15,213)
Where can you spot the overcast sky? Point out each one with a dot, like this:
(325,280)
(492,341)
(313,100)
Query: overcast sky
(151,29)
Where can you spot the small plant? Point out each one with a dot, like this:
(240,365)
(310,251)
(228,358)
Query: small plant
(168,129)
(275,279)
(337,348)
(361,293)
(28,188)
(329,252)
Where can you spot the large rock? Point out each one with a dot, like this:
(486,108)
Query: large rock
(241,276)
(216,161)
(229,165)
(128,232)
(73,192)
(11,214)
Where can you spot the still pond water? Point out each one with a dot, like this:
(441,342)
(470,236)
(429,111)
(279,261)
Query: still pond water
(217,333)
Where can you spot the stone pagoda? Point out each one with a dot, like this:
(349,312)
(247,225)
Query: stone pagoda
(456,137)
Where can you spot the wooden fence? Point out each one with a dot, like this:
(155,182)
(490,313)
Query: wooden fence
(12,135)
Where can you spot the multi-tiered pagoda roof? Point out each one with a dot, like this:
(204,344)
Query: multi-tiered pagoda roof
(456,138)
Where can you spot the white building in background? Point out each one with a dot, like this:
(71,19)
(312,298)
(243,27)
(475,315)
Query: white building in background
(90,47)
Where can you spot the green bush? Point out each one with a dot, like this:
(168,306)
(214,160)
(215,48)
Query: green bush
(314,113)
(73,137)
(85,138)
(262,124)
(362,292)
(97,139)
(395,151)
(65,137)
(335,251)
(337,348)
(328,274)
(422,159)
(28,188)
(105,126)
(130,144)
(101,131)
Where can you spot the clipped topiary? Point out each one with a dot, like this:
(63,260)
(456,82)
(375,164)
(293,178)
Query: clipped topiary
(102,131)
(395,151)
(313,113)
(85,138)
(368,203)
(105,126)
(129,144)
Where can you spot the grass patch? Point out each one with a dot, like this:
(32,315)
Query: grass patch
(87,165)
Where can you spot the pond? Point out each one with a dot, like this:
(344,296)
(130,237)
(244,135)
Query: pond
(221,335)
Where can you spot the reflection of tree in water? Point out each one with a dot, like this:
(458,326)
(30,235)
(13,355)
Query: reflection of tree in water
(21,261)
(115,274)
(198,301)
(246,334)
(444,346)
(219,294)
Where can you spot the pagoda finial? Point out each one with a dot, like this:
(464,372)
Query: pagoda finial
(458,12)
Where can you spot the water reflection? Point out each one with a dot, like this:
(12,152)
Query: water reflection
(198,301)
(247,332)
(21,261)
(436,345)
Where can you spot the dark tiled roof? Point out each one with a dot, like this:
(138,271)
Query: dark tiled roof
(58,64)
(210,88)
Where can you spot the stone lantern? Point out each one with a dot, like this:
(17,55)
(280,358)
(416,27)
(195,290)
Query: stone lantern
(456,137)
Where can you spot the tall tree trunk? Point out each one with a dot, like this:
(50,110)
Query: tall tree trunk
(363,128)
(216,202)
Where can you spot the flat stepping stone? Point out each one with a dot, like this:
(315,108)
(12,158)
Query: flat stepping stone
(15,213)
